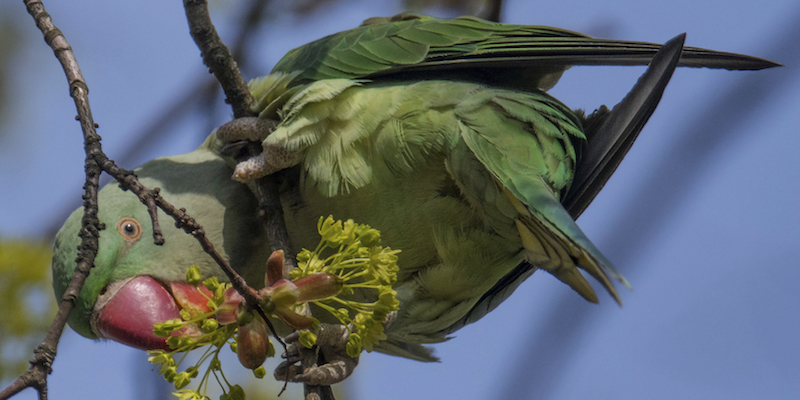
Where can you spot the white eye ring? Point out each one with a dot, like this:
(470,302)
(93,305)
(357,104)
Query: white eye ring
(130,229)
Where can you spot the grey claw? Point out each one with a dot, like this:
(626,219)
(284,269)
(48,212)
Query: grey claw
(274,158)
(252,129)
(292,355)
(292,337)
(331,346)
(327,374)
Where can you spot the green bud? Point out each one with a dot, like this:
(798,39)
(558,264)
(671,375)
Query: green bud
(187,394)
(244,317)
(284,293)
(220,337)
(159,357)
(193,276)
(211,283)
(354,345)
(170,374)
(307,338)
(260,372)
(181,380)
(165,328)
(192,371)
(210,325)
(304,255)
(236,393)
(371,238)
(349,232)
(330,230)
(174,342)
(271,352)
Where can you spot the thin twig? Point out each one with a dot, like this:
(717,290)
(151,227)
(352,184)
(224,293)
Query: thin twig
(492,10)
(96,162)
(221,63)
(270,209)
(203,89)
(218,59)
(41,364)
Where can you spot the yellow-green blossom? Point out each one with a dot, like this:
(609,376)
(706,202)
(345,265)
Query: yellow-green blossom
(349,258)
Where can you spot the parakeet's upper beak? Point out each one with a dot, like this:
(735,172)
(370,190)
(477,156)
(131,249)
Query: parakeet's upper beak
(127,310)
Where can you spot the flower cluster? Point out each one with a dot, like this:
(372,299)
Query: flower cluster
(352,252)
(348,261)
(197,328)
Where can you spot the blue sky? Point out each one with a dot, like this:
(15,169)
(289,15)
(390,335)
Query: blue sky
(702,216)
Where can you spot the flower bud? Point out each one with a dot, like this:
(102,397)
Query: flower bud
(253,344)
(318,286)
(293,319)
(209,325)
(284,293)
(227,312)
(193,276)
(274,268)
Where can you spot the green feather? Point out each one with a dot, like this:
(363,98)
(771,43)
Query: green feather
(414,44)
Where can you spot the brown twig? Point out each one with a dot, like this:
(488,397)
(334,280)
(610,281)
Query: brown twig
(96,162)
(204,89)
(492,11)
(270,209)
(152,199)
(36,375)
(218,58)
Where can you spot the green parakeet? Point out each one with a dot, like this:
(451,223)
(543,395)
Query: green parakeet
(439,133)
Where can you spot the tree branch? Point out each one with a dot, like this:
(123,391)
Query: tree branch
(218,59)
(221,63)
(196,96)
(492,10)
(36,375)
(96,162)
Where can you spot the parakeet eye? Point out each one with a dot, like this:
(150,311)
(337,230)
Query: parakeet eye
(130,229)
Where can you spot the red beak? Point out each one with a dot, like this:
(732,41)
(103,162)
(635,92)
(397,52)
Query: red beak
(128,309)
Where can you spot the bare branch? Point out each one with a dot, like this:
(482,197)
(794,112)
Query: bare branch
(218,59)
(492,10)
(44,355)
(195,96)
(269,210)
(96,162)
(221,63)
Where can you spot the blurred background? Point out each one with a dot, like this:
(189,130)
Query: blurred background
(702,217)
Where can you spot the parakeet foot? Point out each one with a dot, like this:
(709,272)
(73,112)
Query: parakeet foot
(253,129)
(332,344)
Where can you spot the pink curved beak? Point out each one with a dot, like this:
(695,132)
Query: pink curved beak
(128,309)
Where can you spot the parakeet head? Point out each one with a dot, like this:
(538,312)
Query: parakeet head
(135,283)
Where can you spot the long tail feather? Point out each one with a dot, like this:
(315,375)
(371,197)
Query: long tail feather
(607,146)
